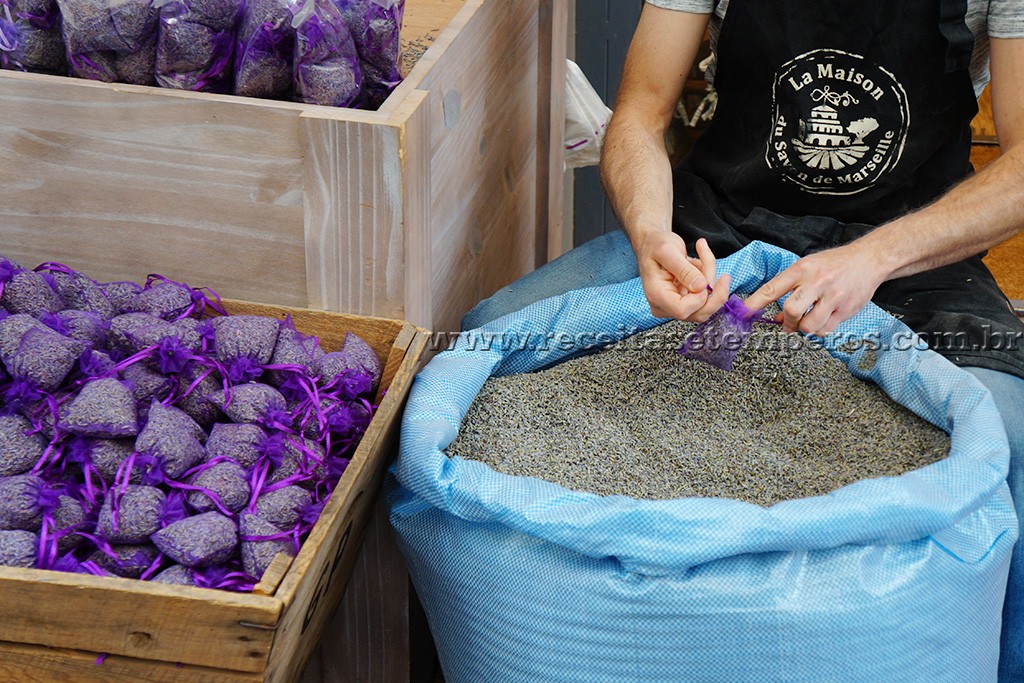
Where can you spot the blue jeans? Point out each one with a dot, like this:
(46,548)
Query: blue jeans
(610,259)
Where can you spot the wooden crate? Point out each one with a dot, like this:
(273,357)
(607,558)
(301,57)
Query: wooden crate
(55,625)
(413,212)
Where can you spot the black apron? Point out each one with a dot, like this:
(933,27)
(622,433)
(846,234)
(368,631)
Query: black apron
(837,116)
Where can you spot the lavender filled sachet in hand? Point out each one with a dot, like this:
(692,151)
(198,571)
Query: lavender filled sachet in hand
(717,340)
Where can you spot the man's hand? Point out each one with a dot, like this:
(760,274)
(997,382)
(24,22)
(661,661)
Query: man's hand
(824,289)
(675,285)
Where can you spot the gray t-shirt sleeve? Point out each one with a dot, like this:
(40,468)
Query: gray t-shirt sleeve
(700,6)
(1006,19)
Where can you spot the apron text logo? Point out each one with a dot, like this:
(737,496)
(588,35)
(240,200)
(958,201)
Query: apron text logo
(828,71)
(839,122)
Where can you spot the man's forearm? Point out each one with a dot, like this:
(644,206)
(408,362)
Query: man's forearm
(979,213)
(982,211)
(637,177)
(635,167)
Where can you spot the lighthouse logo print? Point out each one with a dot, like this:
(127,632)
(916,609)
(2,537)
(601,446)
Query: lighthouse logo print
(839,122)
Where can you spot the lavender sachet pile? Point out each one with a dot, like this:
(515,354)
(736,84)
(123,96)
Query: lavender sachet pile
(338,53)
(146,434)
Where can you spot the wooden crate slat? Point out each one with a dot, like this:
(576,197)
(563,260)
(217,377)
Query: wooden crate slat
(52,665)
(137,619)
(273,575)
(353,226)
(417,184)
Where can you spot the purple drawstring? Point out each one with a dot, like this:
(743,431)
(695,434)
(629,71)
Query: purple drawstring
(152,568)
(211,494)
(102,544)
(222,578)
(7,269)
(54,267)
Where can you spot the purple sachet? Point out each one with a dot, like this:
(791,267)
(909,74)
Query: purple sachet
(87,327)
(103,408)
(146,385)
(344,423)
(44,357)
(92,364)
(164,299)
(20,448)
(244,343)
(185,337)
(131,517)
(303,462)
(12,328)
(128,561)
(123,326)
(261,543)
(79,292)
(172,438)
(293,348)
(100,33)
(239,442)
(29,292)
(139,67)
(356,348)
(263,54)
(24,498)
(251,402)
(107,25)
(195,383)
(200,541)
(196,43)
(18,549)
(284,507)
(107,455)
(94,66)
(120,294)
(340,375)
(69,516)
(227,481)
(375,27)
(30,37)
(327,69)
(175,575)
(717,340)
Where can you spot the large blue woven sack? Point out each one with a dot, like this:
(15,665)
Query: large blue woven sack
(893,579)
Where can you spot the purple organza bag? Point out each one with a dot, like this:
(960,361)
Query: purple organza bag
(717,340)
(100,35)
(375,27)
(139,67)
(327,67)
(263,53)
(196,43)
(30,36)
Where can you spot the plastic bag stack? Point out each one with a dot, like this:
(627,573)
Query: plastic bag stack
(342,53)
